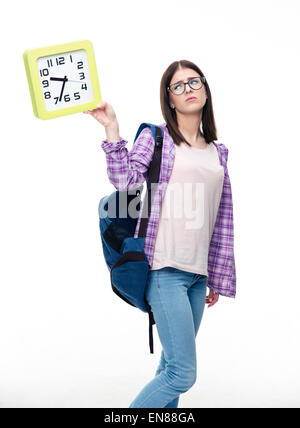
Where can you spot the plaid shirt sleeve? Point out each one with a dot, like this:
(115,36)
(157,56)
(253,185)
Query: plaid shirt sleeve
(127,170)
(221,263)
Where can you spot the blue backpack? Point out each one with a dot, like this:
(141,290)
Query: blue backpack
(124,255)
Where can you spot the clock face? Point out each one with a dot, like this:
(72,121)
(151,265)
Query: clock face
(65,79)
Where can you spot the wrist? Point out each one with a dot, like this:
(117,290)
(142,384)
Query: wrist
(112,133)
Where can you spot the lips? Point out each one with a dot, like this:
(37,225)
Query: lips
(191,98)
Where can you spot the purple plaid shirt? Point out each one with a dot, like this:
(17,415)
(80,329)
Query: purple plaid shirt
(128,170)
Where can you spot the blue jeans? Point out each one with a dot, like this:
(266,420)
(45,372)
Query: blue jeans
(177,299)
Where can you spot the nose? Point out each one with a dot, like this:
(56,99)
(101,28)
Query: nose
(187,89)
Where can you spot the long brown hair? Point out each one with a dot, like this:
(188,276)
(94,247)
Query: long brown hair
(208,120)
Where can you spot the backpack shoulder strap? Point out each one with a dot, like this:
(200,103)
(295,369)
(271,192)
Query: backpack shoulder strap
(153,129)
(154,171)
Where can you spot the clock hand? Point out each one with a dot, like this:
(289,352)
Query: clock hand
(79,81)
(60,79)
(62,89)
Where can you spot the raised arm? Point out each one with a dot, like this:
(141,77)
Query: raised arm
(125,169)
(129,169)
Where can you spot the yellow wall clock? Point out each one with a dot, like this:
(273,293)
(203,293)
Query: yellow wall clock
(62,79)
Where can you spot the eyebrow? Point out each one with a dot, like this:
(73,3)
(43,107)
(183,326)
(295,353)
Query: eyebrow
(182,80)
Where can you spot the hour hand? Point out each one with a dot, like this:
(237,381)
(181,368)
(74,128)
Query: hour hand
(60,79)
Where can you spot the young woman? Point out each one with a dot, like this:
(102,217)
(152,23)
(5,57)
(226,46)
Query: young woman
(191,247)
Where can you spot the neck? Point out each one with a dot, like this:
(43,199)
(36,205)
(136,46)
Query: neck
(189,126)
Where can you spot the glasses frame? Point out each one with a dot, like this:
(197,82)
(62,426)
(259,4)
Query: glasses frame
(202,79)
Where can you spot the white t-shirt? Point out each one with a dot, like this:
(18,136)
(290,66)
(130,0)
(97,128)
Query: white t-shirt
(189,209)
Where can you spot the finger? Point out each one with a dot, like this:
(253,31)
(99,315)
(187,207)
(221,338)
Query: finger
(214,301)
(209,301)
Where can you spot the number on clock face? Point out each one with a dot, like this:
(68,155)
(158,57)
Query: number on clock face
(65,79)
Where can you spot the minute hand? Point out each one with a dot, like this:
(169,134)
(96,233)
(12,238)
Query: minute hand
(62,89)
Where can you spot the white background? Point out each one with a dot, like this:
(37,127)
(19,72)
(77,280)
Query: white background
(66,339)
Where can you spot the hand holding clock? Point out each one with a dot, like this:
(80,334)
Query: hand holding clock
(105,114)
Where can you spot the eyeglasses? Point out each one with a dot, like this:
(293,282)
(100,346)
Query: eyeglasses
(195,83)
